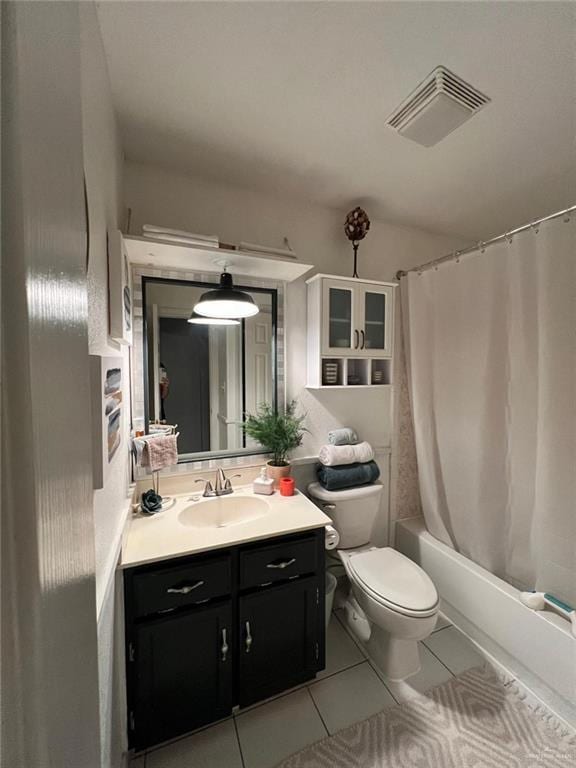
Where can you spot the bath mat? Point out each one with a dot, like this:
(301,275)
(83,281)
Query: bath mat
(473,721)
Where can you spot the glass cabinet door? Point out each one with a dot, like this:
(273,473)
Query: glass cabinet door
(374,321)
(339,318)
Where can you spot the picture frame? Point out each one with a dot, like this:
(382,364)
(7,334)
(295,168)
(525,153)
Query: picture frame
(120,298)
(106,381)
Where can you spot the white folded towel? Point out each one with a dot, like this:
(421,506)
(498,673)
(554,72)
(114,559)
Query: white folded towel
(178,235)
(335,455)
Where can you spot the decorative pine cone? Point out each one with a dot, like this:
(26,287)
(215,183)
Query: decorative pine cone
(356,225)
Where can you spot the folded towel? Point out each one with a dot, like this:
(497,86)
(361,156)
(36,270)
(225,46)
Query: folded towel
(162,452)
(349,476)
(343,436)
(151,230)
(335,455)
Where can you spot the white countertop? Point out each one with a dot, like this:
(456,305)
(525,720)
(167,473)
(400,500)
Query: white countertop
(149,538)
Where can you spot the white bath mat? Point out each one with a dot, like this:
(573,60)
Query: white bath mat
(473,721)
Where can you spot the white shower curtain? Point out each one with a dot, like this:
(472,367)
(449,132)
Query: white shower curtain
(491,357)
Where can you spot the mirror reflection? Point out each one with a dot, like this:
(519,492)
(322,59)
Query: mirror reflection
(204,378)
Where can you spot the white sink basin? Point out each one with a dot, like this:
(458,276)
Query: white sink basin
(223,511)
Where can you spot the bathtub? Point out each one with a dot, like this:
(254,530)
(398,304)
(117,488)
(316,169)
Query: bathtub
(536,647)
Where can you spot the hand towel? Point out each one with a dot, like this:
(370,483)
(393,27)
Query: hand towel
(343,436)
(349,476)
(335,455)
(162,452)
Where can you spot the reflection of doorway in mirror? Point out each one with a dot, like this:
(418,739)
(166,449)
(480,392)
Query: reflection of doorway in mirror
(225,387)
(258,363)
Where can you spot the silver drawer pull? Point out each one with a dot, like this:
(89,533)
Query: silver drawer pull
(184,590)
(283,564)
(224,647)
(248,637)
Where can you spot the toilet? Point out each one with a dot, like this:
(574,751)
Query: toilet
(392,603)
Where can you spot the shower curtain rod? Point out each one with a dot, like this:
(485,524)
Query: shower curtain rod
(483,243)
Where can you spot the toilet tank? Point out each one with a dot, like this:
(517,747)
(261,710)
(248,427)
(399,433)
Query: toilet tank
(352,511)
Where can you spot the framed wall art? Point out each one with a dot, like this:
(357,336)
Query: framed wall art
(119,289)
(107,413)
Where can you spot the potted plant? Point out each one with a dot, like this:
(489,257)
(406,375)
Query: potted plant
(278,433)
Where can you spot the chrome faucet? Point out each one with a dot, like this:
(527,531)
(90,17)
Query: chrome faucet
(222,486)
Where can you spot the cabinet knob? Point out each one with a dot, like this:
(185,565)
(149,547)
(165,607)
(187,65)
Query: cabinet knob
(248,637)
(224,647)
(356,339)
(363,340)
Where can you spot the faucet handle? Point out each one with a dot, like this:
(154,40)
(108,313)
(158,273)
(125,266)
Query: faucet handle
(207,488)
(228,484)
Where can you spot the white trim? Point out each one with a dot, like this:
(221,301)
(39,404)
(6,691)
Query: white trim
(109,571)
(349,279)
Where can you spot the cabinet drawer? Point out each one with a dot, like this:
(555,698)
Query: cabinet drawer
(278,562)
(169,588)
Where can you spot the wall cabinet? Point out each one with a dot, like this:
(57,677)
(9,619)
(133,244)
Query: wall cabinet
(208,632)
(350,332)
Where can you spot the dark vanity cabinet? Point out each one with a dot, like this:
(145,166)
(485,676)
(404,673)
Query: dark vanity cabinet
(206,633)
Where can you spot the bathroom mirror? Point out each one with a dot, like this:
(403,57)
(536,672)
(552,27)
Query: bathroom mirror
(204,378)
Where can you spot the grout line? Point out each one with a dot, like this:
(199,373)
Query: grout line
(439,659)
(319,713)
(441,629)
(383,681)
(239,743)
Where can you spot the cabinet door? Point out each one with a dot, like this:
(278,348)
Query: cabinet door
(375,306)
(340,336)
(180,674)
(279,639)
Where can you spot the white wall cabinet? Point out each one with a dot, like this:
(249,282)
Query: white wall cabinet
(350,332)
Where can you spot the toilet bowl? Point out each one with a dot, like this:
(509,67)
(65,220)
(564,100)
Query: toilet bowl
(393,603)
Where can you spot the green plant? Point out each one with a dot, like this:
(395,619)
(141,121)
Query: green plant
(278,433)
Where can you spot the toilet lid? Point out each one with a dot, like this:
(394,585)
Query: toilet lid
(394,579)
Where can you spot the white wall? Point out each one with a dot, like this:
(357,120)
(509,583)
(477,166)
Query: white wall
(316,234)
(103,170)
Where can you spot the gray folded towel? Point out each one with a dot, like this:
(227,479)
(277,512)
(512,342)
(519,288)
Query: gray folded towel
(343,436)
(347,476)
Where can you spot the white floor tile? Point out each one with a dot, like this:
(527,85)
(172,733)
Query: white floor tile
(273,731)
(454,650)
(350,696)
(432,673)
(341,651)
(441,623)
(216,747)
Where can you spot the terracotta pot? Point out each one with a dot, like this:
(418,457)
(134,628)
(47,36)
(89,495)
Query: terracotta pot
(276,473)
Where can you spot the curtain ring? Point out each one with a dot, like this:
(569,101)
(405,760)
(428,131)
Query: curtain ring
(457,256)
(535,228)
(509,238)
(567,218)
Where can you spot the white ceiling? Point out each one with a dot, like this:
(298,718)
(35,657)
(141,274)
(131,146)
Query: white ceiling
(292,98)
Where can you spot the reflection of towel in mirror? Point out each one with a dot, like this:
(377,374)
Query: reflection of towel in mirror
(334,455)
(162,452)
(349,476)
(343,436)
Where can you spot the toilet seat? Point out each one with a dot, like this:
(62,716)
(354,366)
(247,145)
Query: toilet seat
(394,581)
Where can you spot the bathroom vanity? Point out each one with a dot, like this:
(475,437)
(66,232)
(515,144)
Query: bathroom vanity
(224,604)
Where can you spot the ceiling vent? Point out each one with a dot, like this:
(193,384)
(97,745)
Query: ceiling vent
(441,103)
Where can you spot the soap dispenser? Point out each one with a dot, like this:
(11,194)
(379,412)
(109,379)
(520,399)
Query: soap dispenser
(264,484)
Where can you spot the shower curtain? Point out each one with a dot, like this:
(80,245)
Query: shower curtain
(491,358)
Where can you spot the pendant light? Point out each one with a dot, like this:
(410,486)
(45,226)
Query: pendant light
(202,320)
(225,302)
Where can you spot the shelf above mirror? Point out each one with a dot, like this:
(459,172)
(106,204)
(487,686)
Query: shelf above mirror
(164,255)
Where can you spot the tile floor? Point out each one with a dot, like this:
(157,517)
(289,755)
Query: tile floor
(348,690)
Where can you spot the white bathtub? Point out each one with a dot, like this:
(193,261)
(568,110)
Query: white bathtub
(537,647)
